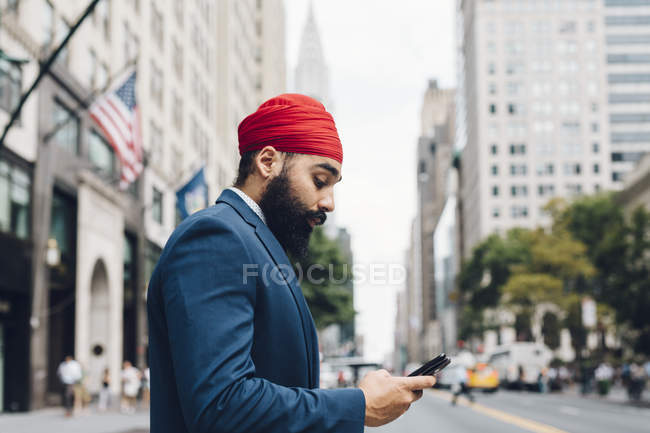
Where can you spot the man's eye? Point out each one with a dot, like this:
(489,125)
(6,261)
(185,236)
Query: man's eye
(319,183)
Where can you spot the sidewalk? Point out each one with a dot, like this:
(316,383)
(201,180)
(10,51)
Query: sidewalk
(52,421)
(617,394)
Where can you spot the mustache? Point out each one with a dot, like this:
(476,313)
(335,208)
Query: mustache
(318,215)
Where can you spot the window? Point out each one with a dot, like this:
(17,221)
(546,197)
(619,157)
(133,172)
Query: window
(574,189)
(628,78)
(628,58)
(492,88)
(494,149)
(493,108)
(494,170)
(519,212)
(514,88)
(545,147)
(630,118)
(572,147)
(131,44)
(617,176)
(627,20)
(11,79)
(15,199)
(571,169)
(517,149)
(545,190)
(157,25)
(514,67)
(545,169)
(596,168)
(627,2)
(101,154)
(594,127)
(629,98)
(495,191)
(496,212)
(571,128)
(567,27)
(595,147)
(627,156)
(65,128)
(519,190)
(518,169)
(12,5)
(516,109)
(628,39)
(630,137)
(491,68)
(157,206)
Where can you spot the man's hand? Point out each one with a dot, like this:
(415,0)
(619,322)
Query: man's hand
(388,397)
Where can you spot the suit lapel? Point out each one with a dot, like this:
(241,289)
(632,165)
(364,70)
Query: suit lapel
(281,261)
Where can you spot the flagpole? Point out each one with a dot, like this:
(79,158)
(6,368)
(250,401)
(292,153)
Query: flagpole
(45,67)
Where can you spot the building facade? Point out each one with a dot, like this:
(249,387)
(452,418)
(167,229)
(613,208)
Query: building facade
(435,149)
(86,248)
(537,123)
(627,35)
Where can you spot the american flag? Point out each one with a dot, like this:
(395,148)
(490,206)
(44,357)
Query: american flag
(116,113)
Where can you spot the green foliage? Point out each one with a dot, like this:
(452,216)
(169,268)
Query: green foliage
(326,277)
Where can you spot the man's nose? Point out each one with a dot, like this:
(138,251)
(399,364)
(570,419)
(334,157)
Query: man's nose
(326,204)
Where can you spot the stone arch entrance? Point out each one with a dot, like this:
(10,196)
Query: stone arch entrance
(99,329)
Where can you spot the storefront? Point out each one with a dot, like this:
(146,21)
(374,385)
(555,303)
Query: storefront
(15,284)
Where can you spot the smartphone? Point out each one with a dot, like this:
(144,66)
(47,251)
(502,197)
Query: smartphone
(433,366)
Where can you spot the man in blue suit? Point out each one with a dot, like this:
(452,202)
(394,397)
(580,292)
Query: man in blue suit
(232,344)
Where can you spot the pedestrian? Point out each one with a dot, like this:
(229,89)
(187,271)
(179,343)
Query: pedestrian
(70,374)
(231,339)
(460,386)
(146,388)
(105,391)
(130,386)
(604,374)
(542,380)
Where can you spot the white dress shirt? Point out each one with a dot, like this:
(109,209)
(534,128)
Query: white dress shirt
(250,202)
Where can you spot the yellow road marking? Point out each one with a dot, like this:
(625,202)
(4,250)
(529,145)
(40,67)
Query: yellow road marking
(527,424)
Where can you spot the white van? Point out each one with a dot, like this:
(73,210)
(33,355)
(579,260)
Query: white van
(519,364)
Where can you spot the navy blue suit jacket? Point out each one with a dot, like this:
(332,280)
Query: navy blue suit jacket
(232,344)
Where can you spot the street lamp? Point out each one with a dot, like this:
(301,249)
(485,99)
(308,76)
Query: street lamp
(53,253)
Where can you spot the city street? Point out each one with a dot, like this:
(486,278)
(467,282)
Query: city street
(510,412)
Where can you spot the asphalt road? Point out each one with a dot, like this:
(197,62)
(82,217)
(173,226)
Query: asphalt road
(513,412)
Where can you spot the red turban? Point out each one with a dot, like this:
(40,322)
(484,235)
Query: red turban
(291,123)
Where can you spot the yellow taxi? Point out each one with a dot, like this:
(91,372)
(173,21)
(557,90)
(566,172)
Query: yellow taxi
(484,377)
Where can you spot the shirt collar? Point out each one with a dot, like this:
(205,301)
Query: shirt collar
(250,202)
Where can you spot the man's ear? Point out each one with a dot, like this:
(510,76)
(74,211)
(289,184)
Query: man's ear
(268,162)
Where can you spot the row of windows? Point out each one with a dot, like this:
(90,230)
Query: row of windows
(627,20)
(546,169)
(543,190)
(627,156)
(629,118)
(546,148)
(627,39)
(628,78)
(628,98)
(628,58)
(627,3)
(630,137)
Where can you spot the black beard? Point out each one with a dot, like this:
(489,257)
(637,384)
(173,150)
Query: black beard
(287,217)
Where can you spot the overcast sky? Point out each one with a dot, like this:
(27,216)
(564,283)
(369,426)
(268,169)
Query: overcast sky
(381,55)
